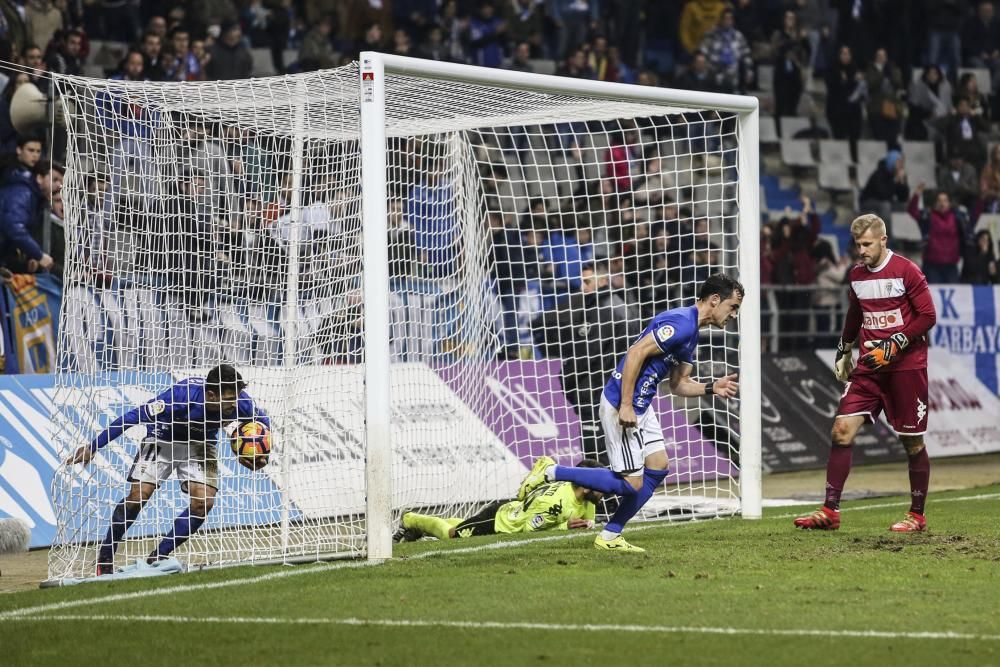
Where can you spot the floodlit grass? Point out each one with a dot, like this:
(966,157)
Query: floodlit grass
(725,592)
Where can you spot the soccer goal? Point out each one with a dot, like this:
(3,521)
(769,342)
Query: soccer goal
(424,270)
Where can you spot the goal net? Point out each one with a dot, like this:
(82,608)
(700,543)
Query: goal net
(530,231)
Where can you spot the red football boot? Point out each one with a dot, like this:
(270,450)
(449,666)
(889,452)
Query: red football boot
(911,523)
(822,519)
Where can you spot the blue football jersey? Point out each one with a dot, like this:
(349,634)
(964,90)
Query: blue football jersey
(179,415)
(676,333)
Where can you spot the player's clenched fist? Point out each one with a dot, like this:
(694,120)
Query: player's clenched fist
(726,387)
(883,352)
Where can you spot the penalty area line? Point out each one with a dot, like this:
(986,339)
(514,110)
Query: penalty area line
(500,625)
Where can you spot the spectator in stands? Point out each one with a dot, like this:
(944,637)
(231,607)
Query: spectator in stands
(31,58)
(22,200)
(436,47)
(697,19)
(945,231)
(152,48)
(487,34)
(588,331)
(654,184)
(846,91)
(65,57)
(989,184)
(981,41)
(316,50)
(199,50)
(979,104)
(624,157)
(597,57)
(521,62)
(944,22)
(572,20)
(8,135)
(231,58)
(699,75)
(180,64)
(729,53)
(858,24)
(790,50)
(158,26)
(525,23)
(576,66)
(958,178)
(617,70)
(430,211)
(814,17)
(255,17)
(887,185)
(980,265)
(373,39)
(885,105)
(965,134)
(511,262)
(42,20)
(929,100)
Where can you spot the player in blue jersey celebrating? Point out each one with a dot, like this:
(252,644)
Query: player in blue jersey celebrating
(182,425)
(634,441)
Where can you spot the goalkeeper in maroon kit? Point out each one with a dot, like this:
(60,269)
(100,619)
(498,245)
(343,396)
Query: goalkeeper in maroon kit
(888,318)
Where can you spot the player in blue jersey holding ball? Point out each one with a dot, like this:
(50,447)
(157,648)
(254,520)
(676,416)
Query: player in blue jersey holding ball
(182,425)
(634,441)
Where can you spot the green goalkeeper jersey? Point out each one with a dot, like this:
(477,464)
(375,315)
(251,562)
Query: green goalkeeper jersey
(546,507)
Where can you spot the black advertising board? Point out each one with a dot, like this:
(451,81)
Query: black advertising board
(799,398)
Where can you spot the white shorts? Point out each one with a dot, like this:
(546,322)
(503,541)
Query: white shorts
(628,448)
(194,462)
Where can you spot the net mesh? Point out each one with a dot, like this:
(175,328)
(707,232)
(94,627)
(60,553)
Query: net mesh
(531,237)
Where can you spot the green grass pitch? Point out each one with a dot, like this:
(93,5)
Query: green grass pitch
(726,592)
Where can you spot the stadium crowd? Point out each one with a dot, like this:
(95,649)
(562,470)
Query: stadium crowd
(832,55)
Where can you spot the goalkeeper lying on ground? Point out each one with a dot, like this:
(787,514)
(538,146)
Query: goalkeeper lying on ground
(558,505)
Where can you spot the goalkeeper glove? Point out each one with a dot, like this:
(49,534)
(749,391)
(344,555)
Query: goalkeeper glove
(844,363)
(884,352)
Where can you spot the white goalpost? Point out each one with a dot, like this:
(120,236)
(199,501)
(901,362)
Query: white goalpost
(424,270)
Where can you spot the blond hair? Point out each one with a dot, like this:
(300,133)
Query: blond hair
(868,221)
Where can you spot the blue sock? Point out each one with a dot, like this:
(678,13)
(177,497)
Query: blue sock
(628,507)
(596,479)
(184,526)
(121,519)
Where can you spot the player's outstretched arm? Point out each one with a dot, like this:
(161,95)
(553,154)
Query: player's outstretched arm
(681,384)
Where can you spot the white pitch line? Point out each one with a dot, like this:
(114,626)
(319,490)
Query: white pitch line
(500,625)
(340,565)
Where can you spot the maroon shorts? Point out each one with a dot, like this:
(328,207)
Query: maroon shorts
(902,394)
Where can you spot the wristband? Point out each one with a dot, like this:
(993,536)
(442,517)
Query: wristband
(709,388)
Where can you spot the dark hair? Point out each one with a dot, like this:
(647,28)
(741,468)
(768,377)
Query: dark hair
(45,167)
(23,139)
(589,463)
(223,377)
(722,285)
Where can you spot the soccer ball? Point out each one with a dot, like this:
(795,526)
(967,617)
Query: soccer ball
(251,440)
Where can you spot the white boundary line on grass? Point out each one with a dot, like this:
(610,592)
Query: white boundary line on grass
(497,625)
(507,544)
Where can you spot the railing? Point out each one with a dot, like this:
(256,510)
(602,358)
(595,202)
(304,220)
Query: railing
(801,316)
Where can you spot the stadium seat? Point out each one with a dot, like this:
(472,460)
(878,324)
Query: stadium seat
(835,151)
(918,151)
(982,78)
(834,176)
(765,77)
(919,171)
(790,125)
(262,63)
(768,130)
(990,222)
(797,153)
(543,66)
(864,170)
(905,228)
(870,150)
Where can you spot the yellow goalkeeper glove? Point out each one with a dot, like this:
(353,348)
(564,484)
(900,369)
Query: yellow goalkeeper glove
(884,352)
(844,363)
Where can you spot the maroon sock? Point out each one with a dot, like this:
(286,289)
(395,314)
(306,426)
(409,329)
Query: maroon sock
(837,470)
(920,478)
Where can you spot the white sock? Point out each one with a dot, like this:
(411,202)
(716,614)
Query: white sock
(549,474)
(607,535)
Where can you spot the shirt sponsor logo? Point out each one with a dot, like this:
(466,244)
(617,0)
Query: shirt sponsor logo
(881,288)
(883,319)
(664,333)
